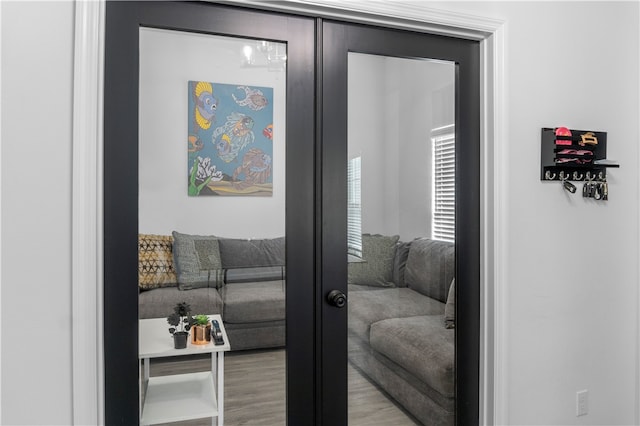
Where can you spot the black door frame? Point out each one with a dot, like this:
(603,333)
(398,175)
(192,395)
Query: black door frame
(339,39)
(312,402)
(123,21)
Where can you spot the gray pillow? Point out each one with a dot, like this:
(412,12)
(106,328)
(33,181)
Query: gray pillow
(450,307)
(378,252)
(197,261)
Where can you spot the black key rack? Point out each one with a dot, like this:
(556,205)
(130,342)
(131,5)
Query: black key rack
(575,157)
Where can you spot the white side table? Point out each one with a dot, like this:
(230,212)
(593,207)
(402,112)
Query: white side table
(181,396)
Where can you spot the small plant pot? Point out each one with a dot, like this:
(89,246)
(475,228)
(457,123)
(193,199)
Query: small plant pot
(201,334)
(180,339)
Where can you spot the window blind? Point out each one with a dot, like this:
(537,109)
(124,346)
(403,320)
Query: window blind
(354,208)
(444,184)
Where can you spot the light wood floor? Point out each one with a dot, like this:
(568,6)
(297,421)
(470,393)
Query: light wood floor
(254,386)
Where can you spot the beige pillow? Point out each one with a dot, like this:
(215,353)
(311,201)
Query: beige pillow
(155,261)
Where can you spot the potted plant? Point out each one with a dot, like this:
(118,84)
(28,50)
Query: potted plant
(201,330)
(180,323)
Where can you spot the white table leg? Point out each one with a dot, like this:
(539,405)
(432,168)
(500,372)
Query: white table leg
(214,366)
(146,369)
(144,382)
(214,378)
(220,388)
(140,388)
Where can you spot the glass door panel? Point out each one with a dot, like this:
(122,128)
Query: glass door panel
(212,196)
(202,102)
(400,244)
(400,192)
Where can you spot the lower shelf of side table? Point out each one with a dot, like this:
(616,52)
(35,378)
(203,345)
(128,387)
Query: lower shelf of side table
(179,397)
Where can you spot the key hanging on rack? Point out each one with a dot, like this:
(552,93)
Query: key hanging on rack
(566,184)
(598,190)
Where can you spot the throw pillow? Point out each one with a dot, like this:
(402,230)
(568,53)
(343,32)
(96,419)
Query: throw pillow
(197,260)
(155,261)
(378,253)
(450,307)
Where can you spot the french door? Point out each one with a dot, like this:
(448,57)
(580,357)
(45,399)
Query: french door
(386,97)
(162,59)
(156,53)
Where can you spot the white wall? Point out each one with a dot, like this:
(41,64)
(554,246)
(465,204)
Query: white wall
(168,60)
(425,96)
(392,110)
(572,266)
(368,120)
(37,65)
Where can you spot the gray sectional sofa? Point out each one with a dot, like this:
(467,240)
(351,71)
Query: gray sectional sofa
(243,280)
(398,294)
(398,335)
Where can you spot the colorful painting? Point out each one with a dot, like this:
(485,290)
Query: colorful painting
(230,140)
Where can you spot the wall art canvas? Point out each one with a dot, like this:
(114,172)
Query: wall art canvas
(230,140)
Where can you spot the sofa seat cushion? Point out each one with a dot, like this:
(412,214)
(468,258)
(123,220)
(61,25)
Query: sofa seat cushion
(253,302)
(368,307)
(159,302)
(420,345)
(260,335)
(358,287)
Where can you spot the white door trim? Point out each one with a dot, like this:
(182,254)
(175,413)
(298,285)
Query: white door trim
(88,365)
(87,243)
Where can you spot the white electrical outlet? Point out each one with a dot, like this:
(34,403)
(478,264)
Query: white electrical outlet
(582,402)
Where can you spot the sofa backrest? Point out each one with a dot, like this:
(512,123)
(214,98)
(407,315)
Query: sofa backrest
(430,267)
(400,262)
(252,260)
(239,253)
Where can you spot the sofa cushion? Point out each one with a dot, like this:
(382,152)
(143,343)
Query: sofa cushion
(253,302)
(420,345)
(368,307)
(430,267)
(155,261)
(400,262)
(260,273)
(255,335)
(197,260)
(378,252)
(159,303)
(358,287)
(239,253)
(450,307)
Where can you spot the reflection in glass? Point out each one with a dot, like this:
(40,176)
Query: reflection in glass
(212,216)
(402,196)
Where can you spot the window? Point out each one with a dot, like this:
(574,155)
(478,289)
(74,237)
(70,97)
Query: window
(444,183)
(354,209)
